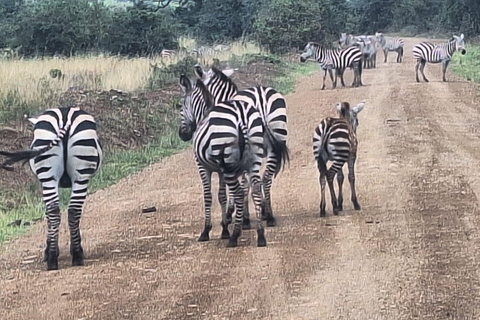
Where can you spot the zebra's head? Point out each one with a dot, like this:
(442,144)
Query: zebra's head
(460,44)
(196,102)
(350,114)
(208,76)
(308,52)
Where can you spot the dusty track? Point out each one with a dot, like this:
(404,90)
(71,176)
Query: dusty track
(417,182)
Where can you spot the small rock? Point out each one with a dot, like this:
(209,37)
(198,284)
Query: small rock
(252,310)
(65,293)
(149,209)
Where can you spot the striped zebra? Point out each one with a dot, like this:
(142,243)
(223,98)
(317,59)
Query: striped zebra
(369,51)
(335,140)
(390,44)
(165,53)
(345,40)
(273,109)
(339,60)
(65,153)
(228,139)
(435,53)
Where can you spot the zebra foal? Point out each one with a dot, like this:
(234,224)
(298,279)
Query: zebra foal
(228,139)
(335,140)
(435,53)
(65,153)
(336,59)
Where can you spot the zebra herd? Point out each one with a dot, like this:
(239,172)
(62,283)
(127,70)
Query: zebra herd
(234,132)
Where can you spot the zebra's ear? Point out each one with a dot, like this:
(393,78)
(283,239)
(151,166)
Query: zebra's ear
(185,84)
(358,107)
(198,71)
(461,36)
(228,72)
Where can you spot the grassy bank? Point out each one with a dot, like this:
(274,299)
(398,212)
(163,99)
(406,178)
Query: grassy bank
(468,66)
(23,202)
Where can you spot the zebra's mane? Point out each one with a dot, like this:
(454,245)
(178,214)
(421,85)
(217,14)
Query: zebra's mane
(207,97)
(345,110)
(223,78)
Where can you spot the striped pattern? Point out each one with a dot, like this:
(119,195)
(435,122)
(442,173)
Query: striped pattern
(272,107)
(228,139)
(437,53)
(368,46)
(390,44)
(165,53)
(345,40)
(65,153)
(336,59)
(335,140)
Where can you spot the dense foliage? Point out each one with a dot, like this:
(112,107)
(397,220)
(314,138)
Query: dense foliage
(138,27)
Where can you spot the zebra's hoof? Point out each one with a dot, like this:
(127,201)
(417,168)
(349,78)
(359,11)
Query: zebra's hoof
(261,241)
(204,237)
(233,241)
(52,263)
(78,258)
(322,213)
(356,206)
(271,222)
(340,207)
(225,234)
(336,211)
(246,224)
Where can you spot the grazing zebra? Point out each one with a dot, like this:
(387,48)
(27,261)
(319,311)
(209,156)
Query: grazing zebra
(335,59)
(390,44)
(65,153)
(273,109)
(435,53)
(228,139)
(335,140)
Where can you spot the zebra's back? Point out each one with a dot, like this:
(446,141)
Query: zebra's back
(334,139)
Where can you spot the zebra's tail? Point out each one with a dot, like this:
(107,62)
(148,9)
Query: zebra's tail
(279,148)
(26,155)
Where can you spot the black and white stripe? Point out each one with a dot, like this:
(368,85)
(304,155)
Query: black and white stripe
(273,110)
(435,53)
(335,140)
(165,53)
(390,44)
(228,139)
(368,46)
(65,153)
(336,59)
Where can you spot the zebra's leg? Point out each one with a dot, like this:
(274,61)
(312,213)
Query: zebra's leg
(53,224)
(239,195)
(246,212)
(222,198)
(417,65)
(340,179)
(230,206)
(422,66)
(340,73)
(324,76)
(331,172)
(351,179)
(267,185)
(257,199)
(444,69)
(334,83)
(385,53)
(400,55)
(206,177)
(322,168)
(75,208)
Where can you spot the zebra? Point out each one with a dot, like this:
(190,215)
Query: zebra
(335,140)
(435,53)
(228,139)
(165,53)
(390,44)
(335,59)
(369,51)
(65,153)
(345,40)
(272,107)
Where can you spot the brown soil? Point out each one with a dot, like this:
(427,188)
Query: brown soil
(410,253)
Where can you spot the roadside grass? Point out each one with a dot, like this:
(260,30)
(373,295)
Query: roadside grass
(468,66)
(119,163)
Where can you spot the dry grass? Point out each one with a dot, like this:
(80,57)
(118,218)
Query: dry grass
(30,82)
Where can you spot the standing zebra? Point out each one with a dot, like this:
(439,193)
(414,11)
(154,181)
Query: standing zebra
(335,140)
(273,110)
(435,53)
(390,44)
(165,53)
(65,153)
(335,59)
(228,139)
(345,40)
(369,51)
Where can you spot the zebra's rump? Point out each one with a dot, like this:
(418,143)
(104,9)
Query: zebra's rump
(333,139)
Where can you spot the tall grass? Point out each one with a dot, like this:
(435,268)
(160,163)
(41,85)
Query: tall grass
(468,66)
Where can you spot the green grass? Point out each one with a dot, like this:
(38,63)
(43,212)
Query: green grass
(121,163)
(468,66)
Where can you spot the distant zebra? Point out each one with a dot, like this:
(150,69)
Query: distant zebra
(336,59)
(435,53)
(165,53)
(390,44)
(228,139)
(369,52)
(273,109)
(345,40)
(65,153)
(335,140)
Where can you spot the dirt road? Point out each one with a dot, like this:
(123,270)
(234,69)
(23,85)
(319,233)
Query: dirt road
(412,252)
